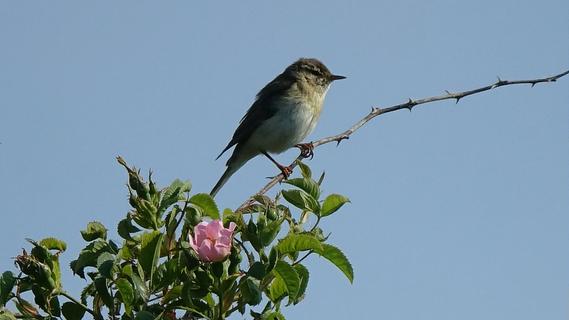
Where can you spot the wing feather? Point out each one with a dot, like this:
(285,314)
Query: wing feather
(262,109)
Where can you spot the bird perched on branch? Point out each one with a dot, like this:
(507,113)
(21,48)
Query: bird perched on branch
(285,111)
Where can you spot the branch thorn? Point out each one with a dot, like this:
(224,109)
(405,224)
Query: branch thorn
(339,139)
(410,104)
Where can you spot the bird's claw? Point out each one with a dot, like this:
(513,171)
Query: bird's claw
(306,150)
(286,171)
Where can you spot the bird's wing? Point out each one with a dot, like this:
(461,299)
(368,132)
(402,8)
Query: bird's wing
(262,109)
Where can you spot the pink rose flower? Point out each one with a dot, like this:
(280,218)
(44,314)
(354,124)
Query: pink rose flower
(212,242)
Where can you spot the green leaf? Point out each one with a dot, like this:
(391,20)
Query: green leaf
(7,315)
(174,193)
(7,282)
(304,169)
(289,276)
(298,242)
(88,291)
(301,200)
(150,251)
(338,258)
(105,264)
(88,256)
(125,228)
(127,292)
(144,315)
(273,258)
(307,184)
(217,269)
(332,203)
(257,270)
(304,277)
(53,244)
(103,291)
(269,232)
(251,292)
(204,202)
(140,287)
(95,230)
(277,290)
(172,294)
(72,311)
(54,306)
(275,315)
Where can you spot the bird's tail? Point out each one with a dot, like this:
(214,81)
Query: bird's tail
(226,175)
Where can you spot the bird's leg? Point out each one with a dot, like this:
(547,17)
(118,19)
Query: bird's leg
(286,171)
(306,150)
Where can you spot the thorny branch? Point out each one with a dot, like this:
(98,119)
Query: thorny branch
(410,104)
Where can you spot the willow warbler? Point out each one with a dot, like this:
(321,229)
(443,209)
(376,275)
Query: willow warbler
(285,111)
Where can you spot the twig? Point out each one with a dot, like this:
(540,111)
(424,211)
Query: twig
(303,257)
(410,104)
(65,294)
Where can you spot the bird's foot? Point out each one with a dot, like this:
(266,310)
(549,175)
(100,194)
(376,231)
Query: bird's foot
(286,171)
(306,150)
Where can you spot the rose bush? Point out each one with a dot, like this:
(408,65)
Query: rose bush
(180,257)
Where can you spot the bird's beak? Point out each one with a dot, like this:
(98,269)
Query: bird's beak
(336,77)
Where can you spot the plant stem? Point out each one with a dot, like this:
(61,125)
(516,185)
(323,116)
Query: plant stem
(65,294)
(304,257)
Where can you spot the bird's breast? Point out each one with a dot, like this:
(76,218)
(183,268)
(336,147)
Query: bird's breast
(295,119)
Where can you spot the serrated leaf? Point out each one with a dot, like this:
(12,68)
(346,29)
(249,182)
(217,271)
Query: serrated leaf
(151,242)
(289,276)
(7,282)
(275,315)
(304,276)
(7,315)
(54,306)
(298,242)
(88,256)
(251,292)
(53,244)
(174,193)
(304,169)
(332,203)
(307,184)
(172,294)
(205,203)
(277,290)
(88,291)
(72,311)
(269,232)
(127,292)
(257,270)
(273,258)
(105,263)
(140,287)
(338,258)
(125,228)
(103,291)
(301,200)
(144,315)
(95,230)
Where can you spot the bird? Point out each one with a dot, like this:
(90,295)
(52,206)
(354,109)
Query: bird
(284,112)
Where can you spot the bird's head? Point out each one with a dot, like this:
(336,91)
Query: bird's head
(313,72)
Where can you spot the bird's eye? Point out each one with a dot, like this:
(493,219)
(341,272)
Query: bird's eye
(312,69)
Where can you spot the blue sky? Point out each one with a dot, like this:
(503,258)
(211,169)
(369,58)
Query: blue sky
(458,211)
